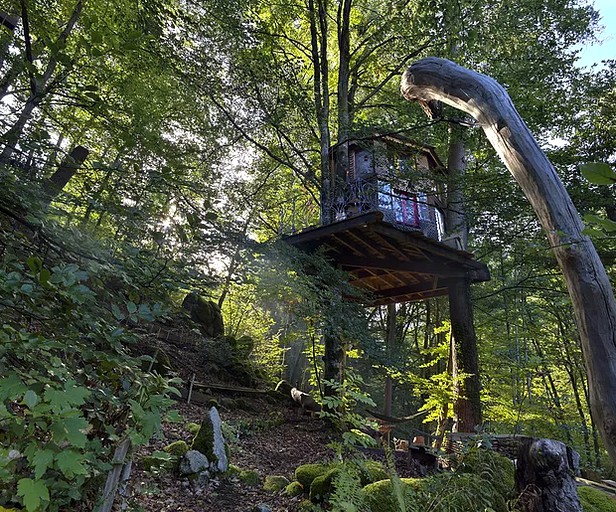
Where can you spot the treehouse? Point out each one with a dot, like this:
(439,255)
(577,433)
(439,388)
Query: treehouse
(382,221)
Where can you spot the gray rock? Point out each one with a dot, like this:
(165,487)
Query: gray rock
(262,507)
(222,463)
(193,462)
(210,441)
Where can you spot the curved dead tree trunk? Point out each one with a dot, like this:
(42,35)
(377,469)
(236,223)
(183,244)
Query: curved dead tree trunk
(588,284)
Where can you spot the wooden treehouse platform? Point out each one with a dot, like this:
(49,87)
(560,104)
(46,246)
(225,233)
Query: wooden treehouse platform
(394,265)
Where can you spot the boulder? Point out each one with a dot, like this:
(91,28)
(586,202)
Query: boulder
(306,473)
(206,313)
(210,441)
(194,462)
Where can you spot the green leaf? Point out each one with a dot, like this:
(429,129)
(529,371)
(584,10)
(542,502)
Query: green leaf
(76,395)
(34,264)
(132,307)
(117,312)
(41,460)
(598,173)
(11,387)
(44,276)
(70,463)
(71,430)
(607,224)
(30,399)
(33,493)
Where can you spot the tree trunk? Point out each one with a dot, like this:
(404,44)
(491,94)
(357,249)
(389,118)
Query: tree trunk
(333,362)
(455,214)
(545,476)
(69,166)
(39,87)
(390,334)
(467,405)
(587,282)
(467,409)
(9,21)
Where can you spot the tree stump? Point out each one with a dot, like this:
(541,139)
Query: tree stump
(545,476)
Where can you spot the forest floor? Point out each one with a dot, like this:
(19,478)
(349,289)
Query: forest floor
(264,434)
(271,439)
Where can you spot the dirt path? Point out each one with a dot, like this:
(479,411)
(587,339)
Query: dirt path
(270,438)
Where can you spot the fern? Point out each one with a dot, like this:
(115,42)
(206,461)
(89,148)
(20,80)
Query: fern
(348,496)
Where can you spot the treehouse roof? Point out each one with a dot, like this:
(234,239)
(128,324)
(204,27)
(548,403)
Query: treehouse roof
(391,264)
(401,143)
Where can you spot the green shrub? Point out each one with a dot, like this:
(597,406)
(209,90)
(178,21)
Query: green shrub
(70,385)
(491,466)
(447,492)
(594,500)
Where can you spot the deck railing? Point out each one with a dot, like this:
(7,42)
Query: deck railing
(405,209)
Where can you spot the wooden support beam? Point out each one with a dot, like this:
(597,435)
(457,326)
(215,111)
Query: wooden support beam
(369,247)
(420,242)
(8,21)
(312,236)
(411,289)
(438,268)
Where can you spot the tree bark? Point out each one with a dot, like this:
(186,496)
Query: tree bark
(467,408)
(545,477)
(587,282)
(467,405)
(69,166)
(390,335)
(455,217)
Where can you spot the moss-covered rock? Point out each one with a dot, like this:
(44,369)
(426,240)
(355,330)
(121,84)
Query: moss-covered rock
(242,347)
(380,497)
(275,483)
(306,506)
(206,313)
(491,466)
(210,442)
(294,489)
(322,486)
(193,428)
(250,477)
(306,473)
(372,471)
(452,492)
(177,448)
(594,500)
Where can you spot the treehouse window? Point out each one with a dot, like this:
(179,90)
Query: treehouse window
(402,204)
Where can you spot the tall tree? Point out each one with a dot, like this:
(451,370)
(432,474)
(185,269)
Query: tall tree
(588,284)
